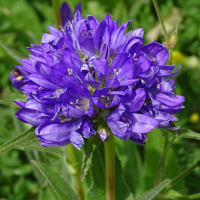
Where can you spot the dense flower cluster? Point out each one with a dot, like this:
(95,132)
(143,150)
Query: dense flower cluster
(91,77)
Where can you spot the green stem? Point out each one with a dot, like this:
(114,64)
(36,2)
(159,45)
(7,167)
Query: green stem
(165,147)
(166,140)
(73,162)
(162,160)
(110,167)
(181,176)
(160,18)
(57,15)
(170,56)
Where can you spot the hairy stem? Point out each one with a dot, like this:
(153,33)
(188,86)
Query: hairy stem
(160,18)
(73,162)
(57,15)
(181,176)
(162,160)
(110,167)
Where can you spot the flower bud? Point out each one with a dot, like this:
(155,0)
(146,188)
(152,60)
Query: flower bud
(173,38)
(103,135)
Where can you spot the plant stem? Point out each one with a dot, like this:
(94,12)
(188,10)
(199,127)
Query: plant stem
(181,176)
(110,167)
(170,56)
(165,147)
(57,15)
(160,18)
(73,162)
(162,160)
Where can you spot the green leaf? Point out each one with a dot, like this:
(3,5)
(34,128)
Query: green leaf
(89,147)
(122,190)
(97,190)
(62,190)
(130,158)
(20,140)
(185,133)
(8,102)
(29,23)
(28,141)
(12,53)
(153,152)
(155,191)
(171,172)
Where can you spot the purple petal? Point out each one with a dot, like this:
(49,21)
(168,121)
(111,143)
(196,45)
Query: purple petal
(142,65)
(54,133)
(72,112)
(76,139)
(87,46)
(127,23)
(40,80)
(138,32)
(28,65)
(20,103)
(99,34)
(117,113)
(134,46)
(32,117)
(140,123)
(66,14)
(35,105)
(169,99)
(77,18)
(136,100)
(78,7)
(116,39)
(118,129)
(157,52)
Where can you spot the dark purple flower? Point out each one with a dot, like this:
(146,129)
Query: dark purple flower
(91,77)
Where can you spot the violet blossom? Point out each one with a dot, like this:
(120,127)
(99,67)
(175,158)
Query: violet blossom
(90,77)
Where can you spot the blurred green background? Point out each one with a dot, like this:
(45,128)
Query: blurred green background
(22,22)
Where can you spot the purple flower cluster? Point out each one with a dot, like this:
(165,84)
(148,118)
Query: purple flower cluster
(91,77)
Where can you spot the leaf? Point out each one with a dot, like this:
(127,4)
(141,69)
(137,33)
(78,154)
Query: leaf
(155,191)
(153,152)
(62,190)
(122,190)
(29,23)
(130,158)
(185,133)
(8,102)
(97,190)
(28,141)
(171,172)
(89,147)
(22,139)
(12,53)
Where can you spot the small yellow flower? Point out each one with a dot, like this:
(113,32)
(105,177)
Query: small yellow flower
(194,118)
(178,57)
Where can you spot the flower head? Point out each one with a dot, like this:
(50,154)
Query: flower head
(91,77)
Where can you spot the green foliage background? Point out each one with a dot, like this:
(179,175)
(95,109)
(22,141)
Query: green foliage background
(22,22)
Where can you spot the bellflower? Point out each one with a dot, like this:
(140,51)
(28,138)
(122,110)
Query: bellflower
(91,78)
